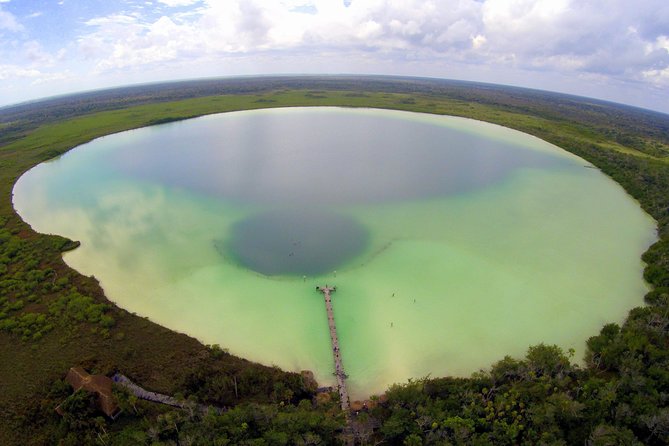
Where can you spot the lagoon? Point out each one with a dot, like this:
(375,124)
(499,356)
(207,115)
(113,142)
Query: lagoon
(452,242)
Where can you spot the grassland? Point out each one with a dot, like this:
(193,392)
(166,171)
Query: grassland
(52,318)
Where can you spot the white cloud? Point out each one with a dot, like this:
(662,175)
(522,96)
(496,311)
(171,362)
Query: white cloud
(583,40)
(576,36)
(478,41)
(9,22)
(565,36)
(47,78)
(175,3)
(245,26)
(14,71)
(659,78)
(661,43)
(115,19)
(34,53)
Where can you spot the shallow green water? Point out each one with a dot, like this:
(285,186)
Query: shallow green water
(454,241)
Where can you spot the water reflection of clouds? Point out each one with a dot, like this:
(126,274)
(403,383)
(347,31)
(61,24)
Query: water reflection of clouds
(328,157)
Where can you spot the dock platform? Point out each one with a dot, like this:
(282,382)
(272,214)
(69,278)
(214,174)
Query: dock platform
(336,352)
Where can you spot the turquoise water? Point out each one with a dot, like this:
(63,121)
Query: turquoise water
(452,242)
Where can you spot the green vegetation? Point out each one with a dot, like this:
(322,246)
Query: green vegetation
(52,318)
(242,425)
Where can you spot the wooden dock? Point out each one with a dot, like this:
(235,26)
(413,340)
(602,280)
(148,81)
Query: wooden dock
(140,392)
(336,352)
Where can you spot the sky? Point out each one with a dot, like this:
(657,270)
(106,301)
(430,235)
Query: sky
(616,50)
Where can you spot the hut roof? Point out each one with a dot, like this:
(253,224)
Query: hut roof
(101,385)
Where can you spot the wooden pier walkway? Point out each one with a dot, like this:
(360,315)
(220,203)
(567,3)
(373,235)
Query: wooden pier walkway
(336,352)
(144,394)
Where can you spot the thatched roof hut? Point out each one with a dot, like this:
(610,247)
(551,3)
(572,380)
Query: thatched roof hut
(100,385)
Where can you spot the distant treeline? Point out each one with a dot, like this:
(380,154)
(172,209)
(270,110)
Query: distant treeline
(628,121)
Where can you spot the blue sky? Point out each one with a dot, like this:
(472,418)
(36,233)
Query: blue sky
(609,49)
